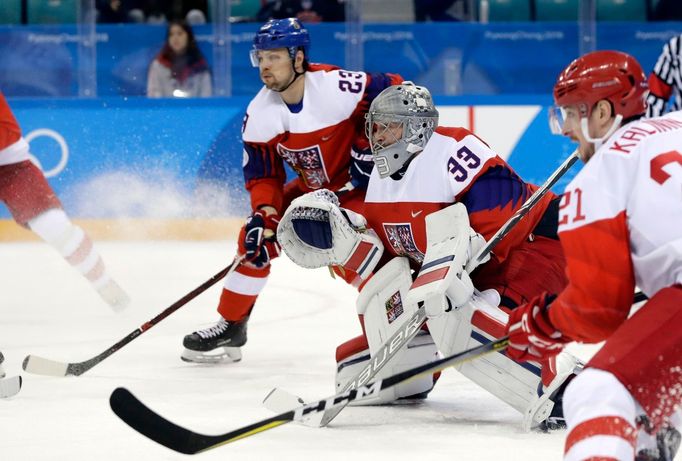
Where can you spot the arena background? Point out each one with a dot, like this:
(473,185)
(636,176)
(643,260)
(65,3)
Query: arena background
(129,167)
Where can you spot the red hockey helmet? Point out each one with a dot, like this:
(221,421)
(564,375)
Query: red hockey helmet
(611,75)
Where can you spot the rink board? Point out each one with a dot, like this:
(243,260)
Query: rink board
(139,229)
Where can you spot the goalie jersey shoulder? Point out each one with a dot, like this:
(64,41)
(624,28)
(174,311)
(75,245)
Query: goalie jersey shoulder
(442,172)
(331,97)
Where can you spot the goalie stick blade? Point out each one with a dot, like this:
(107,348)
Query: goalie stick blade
(155,427)
(41,366)
(10,387)
(281,401)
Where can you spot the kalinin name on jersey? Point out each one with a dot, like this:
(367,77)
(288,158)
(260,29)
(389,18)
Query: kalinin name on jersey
(630,137)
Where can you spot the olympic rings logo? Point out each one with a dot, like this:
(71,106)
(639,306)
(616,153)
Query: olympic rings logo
(64,148)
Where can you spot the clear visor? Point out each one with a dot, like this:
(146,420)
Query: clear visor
(253,54)
(557,119)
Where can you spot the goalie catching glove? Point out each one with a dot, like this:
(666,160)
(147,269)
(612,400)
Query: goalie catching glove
(316,232)
(257,240)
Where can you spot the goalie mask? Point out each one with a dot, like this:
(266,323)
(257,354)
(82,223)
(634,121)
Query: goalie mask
(398,125)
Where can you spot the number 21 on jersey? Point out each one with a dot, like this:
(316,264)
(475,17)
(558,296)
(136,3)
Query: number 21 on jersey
(571,207)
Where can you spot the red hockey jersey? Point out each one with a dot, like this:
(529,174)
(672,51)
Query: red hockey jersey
(319,142)
(13,148)
(9,128)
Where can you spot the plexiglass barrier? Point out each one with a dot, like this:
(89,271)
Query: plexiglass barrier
(464,58)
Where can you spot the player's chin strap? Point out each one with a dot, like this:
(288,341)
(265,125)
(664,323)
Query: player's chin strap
(296,75)
(599,141)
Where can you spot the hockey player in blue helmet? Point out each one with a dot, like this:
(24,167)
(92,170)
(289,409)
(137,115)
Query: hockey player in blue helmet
(272,40)
(319,136)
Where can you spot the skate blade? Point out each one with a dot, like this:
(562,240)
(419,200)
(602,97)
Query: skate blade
(219,355)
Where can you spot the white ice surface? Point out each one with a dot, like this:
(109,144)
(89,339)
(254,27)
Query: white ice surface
(47,309)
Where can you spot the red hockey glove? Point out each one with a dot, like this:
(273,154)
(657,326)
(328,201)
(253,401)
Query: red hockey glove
(531,334)
(258,239)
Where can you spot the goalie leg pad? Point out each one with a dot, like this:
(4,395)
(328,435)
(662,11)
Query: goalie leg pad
(546,411)
(381,303)
(450,245)
(477,322)
(354,356)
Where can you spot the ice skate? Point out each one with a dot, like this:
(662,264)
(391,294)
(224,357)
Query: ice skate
(114,295)
(220,343)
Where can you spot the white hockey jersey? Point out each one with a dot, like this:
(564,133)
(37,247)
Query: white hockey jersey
(320,142)
(620,224)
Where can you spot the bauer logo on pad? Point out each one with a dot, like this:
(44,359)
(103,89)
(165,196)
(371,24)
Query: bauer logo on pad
(394,307)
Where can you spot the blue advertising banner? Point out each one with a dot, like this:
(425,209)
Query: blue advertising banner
(135,157)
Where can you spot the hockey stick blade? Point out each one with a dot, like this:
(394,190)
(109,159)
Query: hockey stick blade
(155,427)
(9,387)
(42,366)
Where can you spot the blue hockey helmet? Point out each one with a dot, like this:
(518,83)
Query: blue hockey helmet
(281,33)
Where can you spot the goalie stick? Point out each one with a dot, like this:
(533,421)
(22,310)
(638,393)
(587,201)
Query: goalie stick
(155,427)
(278,399)
(42,366)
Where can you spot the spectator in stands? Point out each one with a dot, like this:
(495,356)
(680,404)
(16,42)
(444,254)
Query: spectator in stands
(308,11)
(191,8)
(180,69)
(434,10)
(665,81)
(156,11)
(667,10)
(113,11)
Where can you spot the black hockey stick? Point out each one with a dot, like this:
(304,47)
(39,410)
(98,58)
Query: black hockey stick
(42,366)
(411,327)
(155,427)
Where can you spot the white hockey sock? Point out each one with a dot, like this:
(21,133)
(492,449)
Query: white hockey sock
(55,227)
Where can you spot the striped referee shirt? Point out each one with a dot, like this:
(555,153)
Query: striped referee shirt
(666,79)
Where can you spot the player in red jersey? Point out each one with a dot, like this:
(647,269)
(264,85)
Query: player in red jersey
(423,170)
(309,116)
(620,225)
(33,204)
